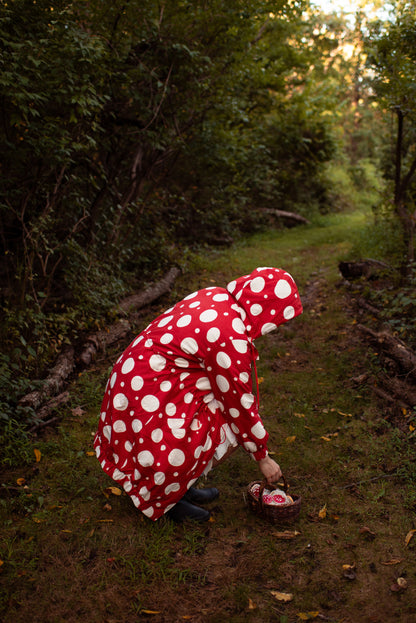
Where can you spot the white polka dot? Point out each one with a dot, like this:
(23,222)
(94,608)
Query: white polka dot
(157,362)
(197,452)
(113,380)
(231,286)
(166,338)
(170,408)
(165,386)
(119,426)
(159,478)
(184,321)
(150,403)
(189,345)
(148,343)
(223,360)
(208,315)
(235,429)
(234,412)
(137,340)
(127,486)
(195,424)
(107,432)
(175,486)
(203,383)
(118,475)
(120,402)
(220,297)
(269,326)
(181,362)
(256,309)
(128,365)
(194,304)
(258,430)
(257,284)
(222,383)
(179,433)
(157,435)
(136,383)
(188,398)
(250,446)
(136,426)
(148,511)
(176,457)
(282,289)
(247,400)
(144,493)
(244,377)
(145,458)
(190,296)
(238,325)
(128,446)
(240,346)
(165,321)
(213,334)
(289,312)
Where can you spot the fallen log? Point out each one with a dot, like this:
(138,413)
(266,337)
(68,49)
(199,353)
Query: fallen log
(367,268)
(139,300)
(290,217)
(394,348)
(66,361)
(54,382)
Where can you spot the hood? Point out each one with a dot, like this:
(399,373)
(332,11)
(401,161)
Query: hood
(267,298)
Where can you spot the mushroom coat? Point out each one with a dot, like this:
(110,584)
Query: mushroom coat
(185,379)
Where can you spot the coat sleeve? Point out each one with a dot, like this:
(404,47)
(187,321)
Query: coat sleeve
(229,369)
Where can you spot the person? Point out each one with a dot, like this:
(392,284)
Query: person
(180,398)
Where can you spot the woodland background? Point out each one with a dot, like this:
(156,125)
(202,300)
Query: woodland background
(136,134)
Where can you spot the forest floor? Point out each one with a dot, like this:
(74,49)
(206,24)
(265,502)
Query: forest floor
(73,548)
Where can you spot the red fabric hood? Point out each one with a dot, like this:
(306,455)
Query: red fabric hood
(267,298)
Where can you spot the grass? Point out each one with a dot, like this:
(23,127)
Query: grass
(72,550)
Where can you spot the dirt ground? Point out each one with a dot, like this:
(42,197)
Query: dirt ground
(74,550)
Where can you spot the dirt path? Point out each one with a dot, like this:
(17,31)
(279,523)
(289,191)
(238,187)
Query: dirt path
(74,550)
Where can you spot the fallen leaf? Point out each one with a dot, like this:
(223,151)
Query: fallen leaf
(399,585)
(325,438)
(38,455)
(349,572)
(393,561)
(90,453)
(290,439)
(409,537)
(411,428)
(286,534)
(78,411)
(260,379)
(187,616)
(282,596)
(21,481)
(113,490)
(322,512)
(149,611)
(299,414)
(345,414)
(251,604)
(307,616)
(369,534)
(107,507)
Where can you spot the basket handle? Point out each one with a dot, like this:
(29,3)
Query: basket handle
(263,486)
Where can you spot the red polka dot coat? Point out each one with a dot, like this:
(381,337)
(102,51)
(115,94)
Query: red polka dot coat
(181,379)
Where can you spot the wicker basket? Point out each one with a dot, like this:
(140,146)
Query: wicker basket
(274,514)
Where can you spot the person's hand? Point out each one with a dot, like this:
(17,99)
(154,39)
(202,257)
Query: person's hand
(270,469)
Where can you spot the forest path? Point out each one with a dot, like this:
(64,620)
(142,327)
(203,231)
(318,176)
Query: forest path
(75,549)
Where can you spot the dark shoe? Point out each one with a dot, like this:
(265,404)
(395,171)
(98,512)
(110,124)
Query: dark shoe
(185,510)
(201,496)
